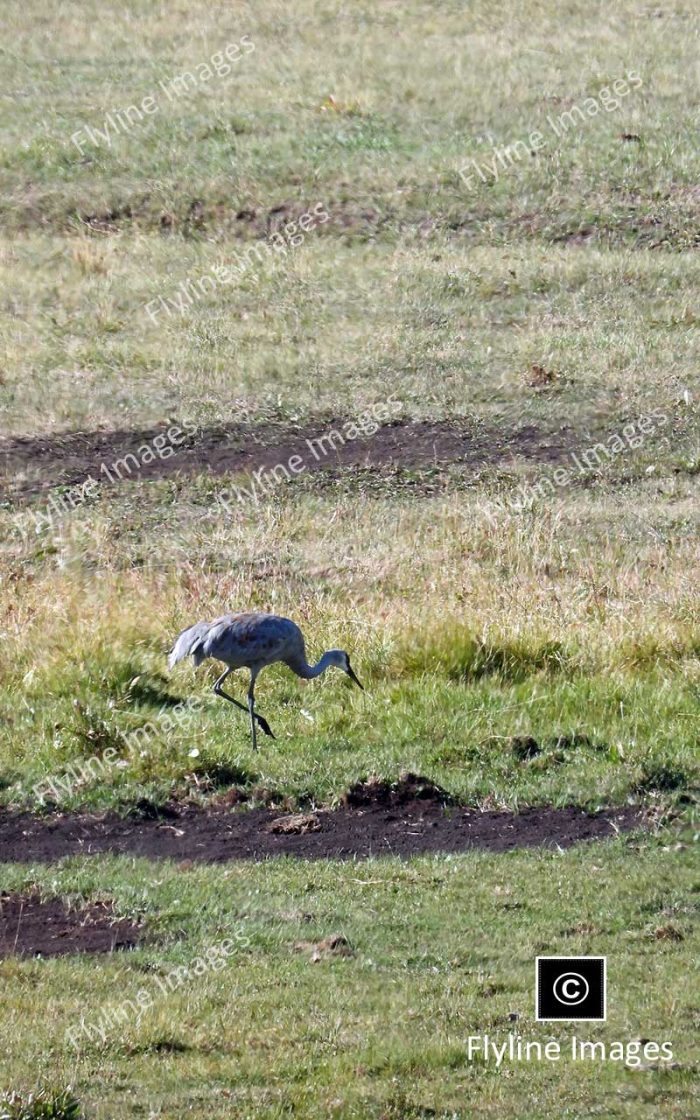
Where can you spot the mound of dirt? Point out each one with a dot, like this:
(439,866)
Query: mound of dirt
(525,747)
(410,787)
(296,824)
(334,946)
(35,927)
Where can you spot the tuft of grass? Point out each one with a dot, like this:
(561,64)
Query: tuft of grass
(461,655)
(44,1104)
(87,734)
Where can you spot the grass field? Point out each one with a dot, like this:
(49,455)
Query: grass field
(358,215)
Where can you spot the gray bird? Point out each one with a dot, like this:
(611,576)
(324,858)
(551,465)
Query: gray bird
(253,640)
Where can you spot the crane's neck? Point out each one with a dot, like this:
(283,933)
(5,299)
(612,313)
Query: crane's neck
(308,672)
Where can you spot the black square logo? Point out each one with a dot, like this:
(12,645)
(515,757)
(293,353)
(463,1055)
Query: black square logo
(570,988)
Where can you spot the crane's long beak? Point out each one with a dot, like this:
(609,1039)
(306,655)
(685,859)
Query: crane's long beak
(353,678)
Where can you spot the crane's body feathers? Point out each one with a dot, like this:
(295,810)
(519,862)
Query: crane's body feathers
(253,639)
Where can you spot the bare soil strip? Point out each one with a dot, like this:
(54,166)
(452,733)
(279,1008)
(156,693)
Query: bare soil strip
(482,223)
(30,466)
(397,829)
(30,926)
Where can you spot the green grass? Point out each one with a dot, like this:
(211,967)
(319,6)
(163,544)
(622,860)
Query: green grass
(335,328)
(417,93)
(443,948)
(602,739)
(472,624)
(537,633)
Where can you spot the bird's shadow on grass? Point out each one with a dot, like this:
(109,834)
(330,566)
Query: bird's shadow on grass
(133,688)
(218,774)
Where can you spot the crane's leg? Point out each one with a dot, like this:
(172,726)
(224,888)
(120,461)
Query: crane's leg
(264,725)
(251,707)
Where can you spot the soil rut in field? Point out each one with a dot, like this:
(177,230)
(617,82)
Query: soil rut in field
(379,828)
(32,465)
(30,926)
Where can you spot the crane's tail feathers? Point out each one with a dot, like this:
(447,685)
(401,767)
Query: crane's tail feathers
(189,642)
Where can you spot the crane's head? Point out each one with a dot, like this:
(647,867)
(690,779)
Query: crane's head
(340,658)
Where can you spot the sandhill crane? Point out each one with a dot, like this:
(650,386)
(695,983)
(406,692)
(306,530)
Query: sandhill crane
(253,640)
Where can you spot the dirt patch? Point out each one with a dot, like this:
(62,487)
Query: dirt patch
(247,222)
(539,377)
(668,933)
(377,829)
(334,946)
(32,927)
(33,465)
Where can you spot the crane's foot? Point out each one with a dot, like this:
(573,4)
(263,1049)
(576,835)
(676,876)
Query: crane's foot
(264,725)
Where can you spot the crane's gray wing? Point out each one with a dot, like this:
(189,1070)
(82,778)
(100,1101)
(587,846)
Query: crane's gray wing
(189,642)
(250,638)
